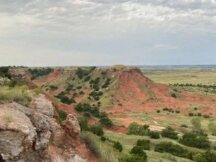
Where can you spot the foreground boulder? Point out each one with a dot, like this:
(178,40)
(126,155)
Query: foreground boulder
(27,134)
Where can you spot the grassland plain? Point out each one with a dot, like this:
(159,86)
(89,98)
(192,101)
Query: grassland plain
(182,76)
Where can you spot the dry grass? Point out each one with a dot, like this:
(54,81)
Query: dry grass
(18,94)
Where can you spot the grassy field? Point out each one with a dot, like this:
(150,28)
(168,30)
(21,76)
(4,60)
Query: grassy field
(182,76)
(128,141)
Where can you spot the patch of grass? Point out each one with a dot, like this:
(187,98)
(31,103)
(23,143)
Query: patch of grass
(18,94)
(104,151)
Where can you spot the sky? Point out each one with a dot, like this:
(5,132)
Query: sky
(107,32)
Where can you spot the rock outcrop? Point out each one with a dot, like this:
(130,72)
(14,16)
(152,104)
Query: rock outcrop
(27,134)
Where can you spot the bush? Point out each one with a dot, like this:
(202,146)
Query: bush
(144,144)
(154,135)
(136,129)
(83,124)
(104,120)
(194,139)
(4,72)
(103,138)
(172,149)
(208,156)
(169,133)
(67,100)
(138,151)
(64,99)
(97,129)
(62,115)
(173,95)
(118,146)
(133,158)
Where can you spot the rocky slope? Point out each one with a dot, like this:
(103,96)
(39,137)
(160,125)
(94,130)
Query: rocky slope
(34,134)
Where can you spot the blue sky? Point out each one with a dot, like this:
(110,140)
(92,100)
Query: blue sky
(107,32)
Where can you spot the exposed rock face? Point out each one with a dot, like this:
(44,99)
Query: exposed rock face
(72,125)
(27,133)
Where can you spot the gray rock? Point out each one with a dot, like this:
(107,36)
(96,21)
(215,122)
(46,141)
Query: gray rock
(43,105)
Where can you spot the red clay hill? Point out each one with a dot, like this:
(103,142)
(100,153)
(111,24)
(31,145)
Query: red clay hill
(122,90)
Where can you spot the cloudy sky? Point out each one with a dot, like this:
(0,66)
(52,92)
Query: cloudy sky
(107,32)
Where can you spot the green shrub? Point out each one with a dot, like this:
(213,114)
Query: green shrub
(144,144)
(35,73)
(103,138)
(118,146)
(194,139)
(97,129)
(136,129)
(172,149)
(169,133)
(154,135)
(138,151)
(4,72)
(208,156)
(133,158)
(173,94)
(87,114)
(105,120)
(83,124)
(62,115)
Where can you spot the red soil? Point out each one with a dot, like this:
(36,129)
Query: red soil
(136,93)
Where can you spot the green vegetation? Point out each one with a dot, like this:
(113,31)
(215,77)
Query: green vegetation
(89,111)
(18,94)
(154,134)
(65,99)
(96,129)
(4,72)
(172,149)
(212,128)
(103,150)
(208,156)
(136,129)
(169,133)
(118,146)
(84,72)
(62,115)
(35,73)
(194,139)
(144,144)
(138,153)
